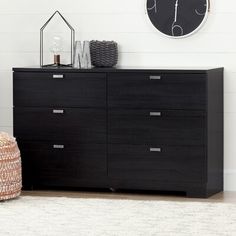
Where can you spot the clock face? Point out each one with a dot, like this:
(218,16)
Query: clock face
(177,18)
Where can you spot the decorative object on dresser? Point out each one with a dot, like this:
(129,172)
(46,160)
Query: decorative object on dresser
(141,129)
(104,53)
(10,168)
(56,46)
(178,18)
(82,58)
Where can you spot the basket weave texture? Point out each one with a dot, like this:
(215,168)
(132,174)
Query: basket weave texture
(103,53)
(10,167)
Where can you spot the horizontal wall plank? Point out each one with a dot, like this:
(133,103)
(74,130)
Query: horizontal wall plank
(229,140)
(229,102)
(5,80)
(9,60)
(229,180)
(73,6)
(8,130)
(179,60)
(6,115)
(6,99)
(155,43)
(135,22)
(229,82)
(94,6)
(144,42)
(223,6)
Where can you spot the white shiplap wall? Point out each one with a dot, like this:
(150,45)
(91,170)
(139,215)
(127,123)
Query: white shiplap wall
(140,45)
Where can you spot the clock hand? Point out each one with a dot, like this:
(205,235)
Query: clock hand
(176,26)
(176,10)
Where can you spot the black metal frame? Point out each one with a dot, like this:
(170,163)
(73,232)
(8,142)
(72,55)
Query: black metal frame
(72,41)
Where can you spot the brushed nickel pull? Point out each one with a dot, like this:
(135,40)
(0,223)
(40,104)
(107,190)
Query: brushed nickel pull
(58,76)
(155,113)
(56,146)
(55,111)
(155,77)
(155,149)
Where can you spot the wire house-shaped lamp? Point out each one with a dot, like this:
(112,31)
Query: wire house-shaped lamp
(56,56)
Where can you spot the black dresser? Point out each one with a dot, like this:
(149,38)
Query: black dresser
(140,129)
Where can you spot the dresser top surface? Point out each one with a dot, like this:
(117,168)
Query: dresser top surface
(118,69)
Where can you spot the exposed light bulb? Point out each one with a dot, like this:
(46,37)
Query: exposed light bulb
(56,48)
(56,45)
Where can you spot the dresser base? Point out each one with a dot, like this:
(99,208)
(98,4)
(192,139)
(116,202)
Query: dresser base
(188,190)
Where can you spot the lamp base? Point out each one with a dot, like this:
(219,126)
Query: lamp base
(57,62)
(57,65)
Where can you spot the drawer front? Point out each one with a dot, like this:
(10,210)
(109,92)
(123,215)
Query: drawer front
(74,124)
(62,164)
(60,90)
(156,127)
(164,163)
(167,91)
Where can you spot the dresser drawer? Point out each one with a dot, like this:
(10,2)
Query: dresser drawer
(167,91)
(62,163)
(164,163)
(73,124)
(59,89)
(165,127)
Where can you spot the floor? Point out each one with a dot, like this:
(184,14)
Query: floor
(226,197)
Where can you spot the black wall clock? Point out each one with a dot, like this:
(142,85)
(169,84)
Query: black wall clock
(177,18)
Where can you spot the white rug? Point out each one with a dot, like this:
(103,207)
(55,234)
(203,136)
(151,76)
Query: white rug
(33,216)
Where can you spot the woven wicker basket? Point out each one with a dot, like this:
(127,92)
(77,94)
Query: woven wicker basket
(103,53)
(10,168)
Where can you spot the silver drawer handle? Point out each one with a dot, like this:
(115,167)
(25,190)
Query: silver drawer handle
(55,146)
(152,77)
(155,149)
(58,76)
(58,111)
(155,113)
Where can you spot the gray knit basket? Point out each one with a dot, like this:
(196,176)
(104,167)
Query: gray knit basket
(103,53)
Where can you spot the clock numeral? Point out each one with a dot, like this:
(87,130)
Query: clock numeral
(199,13)
(175,29)
(154,7)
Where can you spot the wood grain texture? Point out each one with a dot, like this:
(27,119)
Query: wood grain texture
(173,127)
(171,91)
(215,131)
(173,164)
(151,133)
(73,90)
(47,166)
(76,124)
